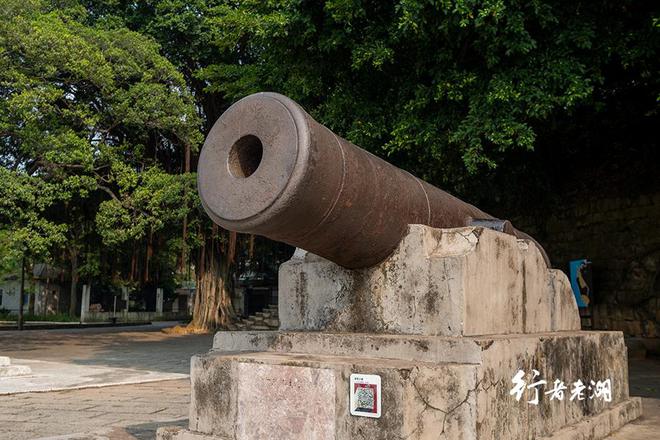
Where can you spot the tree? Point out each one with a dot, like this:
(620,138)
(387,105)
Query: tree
(448,90)
(90,116)
(444,89)
(188,36)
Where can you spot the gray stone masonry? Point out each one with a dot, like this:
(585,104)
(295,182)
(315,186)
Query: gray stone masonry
(438,282)
(446,321)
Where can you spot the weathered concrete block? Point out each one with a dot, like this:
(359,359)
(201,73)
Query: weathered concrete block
(449,282)
(303,397)
(276,377)
(447,322)
(296,399)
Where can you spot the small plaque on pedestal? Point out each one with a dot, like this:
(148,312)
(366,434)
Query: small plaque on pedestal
(365,395)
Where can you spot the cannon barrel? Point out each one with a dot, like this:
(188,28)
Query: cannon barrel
(268,168)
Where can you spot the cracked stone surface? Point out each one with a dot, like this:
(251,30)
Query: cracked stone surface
(438,282)
(421,400)
(446,321)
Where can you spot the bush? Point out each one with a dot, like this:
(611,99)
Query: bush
(58,317)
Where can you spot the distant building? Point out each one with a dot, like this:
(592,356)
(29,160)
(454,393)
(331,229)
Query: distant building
(46,285)
(10,286)
(48,288)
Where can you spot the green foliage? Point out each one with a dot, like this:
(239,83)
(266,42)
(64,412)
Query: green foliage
(94,123)
(5,315)
(99,103)
(441,87)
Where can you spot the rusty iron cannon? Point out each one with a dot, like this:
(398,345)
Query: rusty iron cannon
(268,168)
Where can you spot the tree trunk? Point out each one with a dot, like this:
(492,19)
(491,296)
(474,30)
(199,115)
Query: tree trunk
(21,294)
(213,308)
(184,232)
(147,260)
(33,293)
(31,300)
(73,297)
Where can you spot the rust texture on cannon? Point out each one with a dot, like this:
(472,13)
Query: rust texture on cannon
(268,168)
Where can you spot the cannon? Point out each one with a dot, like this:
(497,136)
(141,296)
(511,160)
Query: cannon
(268,168)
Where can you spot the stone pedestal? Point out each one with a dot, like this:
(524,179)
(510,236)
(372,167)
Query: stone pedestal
(447,321)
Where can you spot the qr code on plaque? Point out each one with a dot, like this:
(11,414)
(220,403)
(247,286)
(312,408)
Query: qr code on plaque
(365,398)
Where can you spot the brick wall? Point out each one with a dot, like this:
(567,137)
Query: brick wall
(620,234)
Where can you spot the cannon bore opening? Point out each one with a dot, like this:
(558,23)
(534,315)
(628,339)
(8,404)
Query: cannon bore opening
(245,156)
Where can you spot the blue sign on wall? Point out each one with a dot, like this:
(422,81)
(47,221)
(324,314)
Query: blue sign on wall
(581,282)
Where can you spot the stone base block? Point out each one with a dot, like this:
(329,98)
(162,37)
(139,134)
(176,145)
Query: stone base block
(437,282)
(290,385)
(603,424)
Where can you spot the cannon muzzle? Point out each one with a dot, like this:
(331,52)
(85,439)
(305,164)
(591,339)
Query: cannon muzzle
(268,168)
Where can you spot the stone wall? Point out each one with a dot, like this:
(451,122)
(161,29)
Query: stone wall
(135,316)
(620,234)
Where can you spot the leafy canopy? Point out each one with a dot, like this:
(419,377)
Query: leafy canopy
(93,125)
(440,86)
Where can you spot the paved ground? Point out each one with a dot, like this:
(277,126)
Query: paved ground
(645,428)
(140,347)
(644,382)
(75,358)
(118,412)
(130,412)
(57,376)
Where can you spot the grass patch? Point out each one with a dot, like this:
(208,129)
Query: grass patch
(59,317)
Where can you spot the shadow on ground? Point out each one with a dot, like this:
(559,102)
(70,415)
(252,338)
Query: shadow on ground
(140,348)
(147,431)
(644,377)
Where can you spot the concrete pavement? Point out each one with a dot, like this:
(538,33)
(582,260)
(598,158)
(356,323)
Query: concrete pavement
(113,413)
(141,348)
(135,411)
(57,376)
(91,358)
(79,358)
